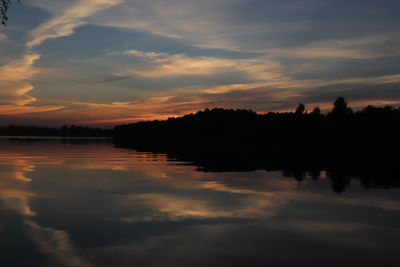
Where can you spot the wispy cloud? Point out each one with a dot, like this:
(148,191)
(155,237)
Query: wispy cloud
(20,69)
(14,183)
(3,37)
(68,21)
(195,22)
(14,87)
(368,47)
(264,55)
(57,243)
(161,65)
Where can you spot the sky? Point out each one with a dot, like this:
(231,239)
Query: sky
(108,62)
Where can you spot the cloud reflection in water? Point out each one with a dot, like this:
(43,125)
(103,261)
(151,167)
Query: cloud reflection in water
(95,205)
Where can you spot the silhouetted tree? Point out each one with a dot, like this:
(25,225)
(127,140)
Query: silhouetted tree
(388,108)
(315,174)
(300,109)
(316,111)
(347,145)
(5,5)
(340,107)
(339,180)
(298,175)
(225,140)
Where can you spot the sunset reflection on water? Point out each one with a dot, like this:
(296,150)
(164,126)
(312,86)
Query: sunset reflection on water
(91,204)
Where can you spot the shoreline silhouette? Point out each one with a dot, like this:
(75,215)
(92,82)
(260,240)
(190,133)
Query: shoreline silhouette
(64,131)
(340,133)
(363,144)
(345,144)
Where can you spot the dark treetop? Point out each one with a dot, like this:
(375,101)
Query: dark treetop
(4,6)
(343,142)
(372,128)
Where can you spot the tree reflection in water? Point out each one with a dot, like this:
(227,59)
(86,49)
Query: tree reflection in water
(90,204)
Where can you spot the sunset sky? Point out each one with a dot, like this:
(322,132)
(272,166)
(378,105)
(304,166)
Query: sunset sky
(106,62)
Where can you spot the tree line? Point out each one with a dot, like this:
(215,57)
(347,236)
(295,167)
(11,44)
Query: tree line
(64,131)
(298,130)
(344,143)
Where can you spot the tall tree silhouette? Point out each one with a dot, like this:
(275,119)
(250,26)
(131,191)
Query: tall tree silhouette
(316,111)
(300,109)
(340,107)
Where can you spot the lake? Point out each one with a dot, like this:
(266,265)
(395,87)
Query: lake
(72,203)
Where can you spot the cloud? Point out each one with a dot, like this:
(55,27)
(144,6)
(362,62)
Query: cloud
(71,18)
(298,53)
(3,37)
(366,47)
(14,87)
(14,183)
(279,95)
(20,69)
(190,21)
(164,65)
(57,243)
(251,25)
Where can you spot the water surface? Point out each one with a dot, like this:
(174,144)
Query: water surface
(90,204)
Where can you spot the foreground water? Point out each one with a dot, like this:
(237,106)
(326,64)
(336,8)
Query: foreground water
(90,204)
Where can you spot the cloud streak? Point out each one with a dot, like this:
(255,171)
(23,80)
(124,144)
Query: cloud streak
(14,87)
(167,58)
(66,23)
(162,65)
(3,37)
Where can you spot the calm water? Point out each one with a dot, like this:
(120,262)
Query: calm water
(96,205)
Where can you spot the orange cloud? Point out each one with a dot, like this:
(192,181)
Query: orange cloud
(14,88)
(171,65)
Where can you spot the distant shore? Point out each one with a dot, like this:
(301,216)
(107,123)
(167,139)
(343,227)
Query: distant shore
(47,132)
(53,137)
(370,128)
(344,144)
(364,144)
